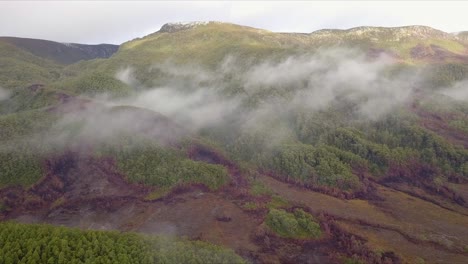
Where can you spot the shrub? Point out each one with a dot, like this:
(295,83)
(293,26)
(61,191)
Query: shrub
(297,224)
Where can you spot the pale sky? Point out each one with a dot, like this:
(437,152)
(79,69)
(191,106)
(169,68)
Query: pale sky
(119,21)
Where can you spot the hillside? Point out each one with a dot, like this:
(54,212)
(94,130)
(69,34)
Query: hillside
(63,53)
(338,146)
(20,68)
(212,42)
(31,61)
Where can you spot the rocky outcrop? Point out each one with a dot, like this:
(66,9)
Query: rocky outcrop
(174,27)
(386,33)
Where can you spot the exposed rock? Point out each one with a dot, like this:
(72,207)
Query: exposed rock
(174,27)
(388,33)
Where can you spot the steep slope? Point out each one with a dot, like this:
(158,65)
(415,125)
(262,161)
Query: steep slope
(63,53)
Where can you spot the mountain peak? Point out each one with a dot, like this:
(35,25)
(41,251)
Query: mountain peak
(178,26)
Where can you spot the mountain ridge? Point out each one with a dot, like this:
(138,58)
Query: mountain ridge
(62,53)
(416,30)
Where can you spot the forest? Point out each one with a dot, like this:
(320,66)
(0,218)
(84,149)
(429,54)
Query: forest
(21,243)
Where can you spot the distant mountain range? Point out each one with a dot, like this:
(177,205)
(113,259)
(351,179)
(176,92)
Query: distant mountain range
(378,37)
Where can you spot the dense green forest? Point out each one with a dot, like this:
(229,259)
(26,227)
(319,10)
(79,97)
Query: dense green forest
(21,243)
(157,166)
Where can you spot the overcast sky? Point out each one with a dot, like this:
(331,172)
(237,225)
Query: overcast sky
(119,21)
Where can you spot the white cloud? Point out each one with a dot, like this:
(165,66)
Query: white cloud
(119,21)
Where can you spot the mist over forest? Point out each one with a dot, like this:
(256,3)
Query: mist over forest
(220,143)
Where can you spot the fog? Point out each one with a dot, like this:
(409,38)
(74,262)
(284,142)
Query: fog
(459,91)
(332,75)
(313,81)
(126,75)
(240,96)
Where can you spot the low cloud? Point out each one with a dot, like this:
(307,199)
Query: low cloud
(126,75)
(195,109)
(239,96)
(459,91)
(329,76)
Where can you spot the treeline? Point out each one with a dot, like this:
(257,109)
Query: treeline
(21,243)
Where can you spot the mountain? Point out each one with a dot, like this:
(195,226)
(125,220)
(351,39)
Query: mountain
(209,43)
(62,53)
(335,146)
(32,61)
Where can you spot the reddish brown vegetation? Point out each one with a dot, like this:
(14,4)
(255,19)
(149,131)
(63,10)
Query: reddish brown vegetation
(36,87)
(421,175)
(354,246)
(366,190)
(438,123)
(75,178)
(93,185)
(205,154)
(435,54)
